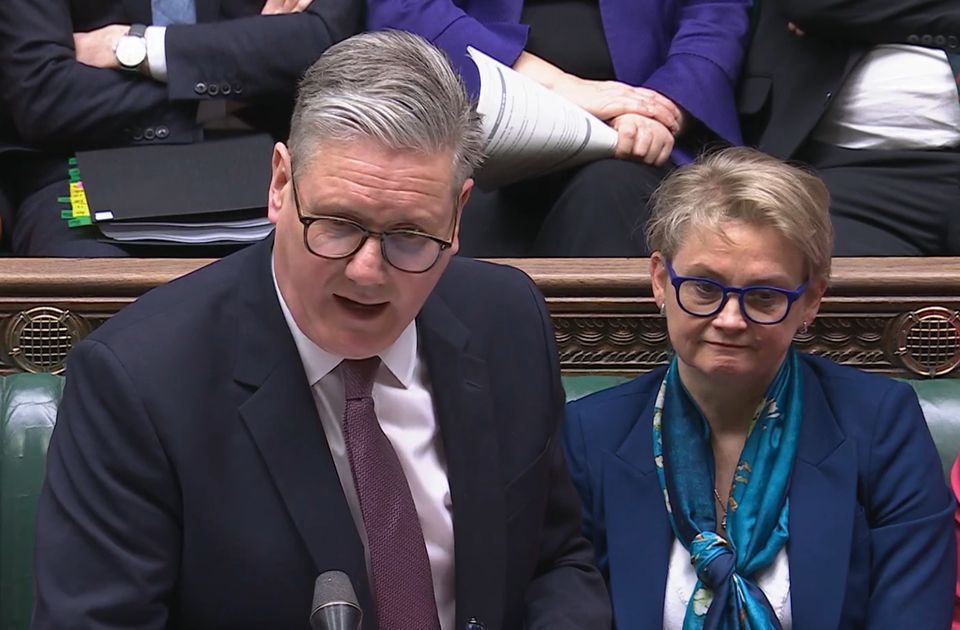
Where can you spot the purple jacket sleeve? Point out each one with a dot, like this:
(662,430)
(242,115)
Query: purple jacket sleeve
(450,28)
(703,63)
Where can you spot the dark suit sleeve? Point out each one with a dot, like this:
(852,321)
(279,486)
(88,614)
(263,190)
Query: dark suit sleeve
(108,537)
(910,511)
(568,592)
(874,21)
(263,54)
(58,103)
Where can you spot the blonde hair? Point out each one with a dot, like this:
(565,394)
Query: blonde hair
(745,185)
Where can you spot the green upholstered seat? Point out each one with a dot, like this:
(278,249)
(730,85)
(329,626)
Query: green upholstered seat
(28,409)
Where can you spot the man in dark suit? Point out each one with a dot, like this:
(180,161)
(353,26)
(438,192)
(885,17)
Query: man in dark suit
(864,93)
(89,75)
(205,465)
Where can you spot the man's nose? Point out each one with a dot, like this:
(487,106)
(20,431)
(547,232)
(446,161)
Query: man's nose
(367,265)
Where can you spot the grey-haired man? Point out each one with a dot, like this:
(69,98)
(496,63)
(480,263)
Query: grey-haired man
(343,396)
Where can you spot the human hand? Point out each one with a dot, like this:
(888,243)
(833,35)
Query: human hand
(280,7)
(97,48)
(609,99)
(642,139)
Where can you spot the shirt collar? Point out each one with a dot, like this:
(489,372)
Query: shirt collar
(399,357)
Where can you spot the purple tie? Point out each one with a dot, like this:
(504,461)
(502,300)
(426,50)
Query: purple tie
(399,567)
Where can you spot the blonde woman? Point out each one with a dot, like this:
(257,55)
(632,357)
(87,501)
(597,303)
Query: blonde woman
(747,485)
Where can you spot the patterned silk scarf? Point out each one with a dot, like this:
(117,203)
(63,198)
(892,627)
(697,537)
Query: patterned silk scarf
(725,596)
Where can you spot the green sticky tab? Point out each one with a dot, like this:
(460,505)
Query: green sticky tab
(79,222)
(63,199)
(66,214)
(74,174)
(72,161)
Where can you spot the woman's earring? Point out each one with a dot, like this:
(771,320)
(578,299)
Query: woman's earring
(804,328)
(663,309)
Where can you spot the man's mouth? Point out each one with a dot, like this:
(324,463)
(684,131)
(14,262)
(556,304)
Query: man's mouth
(362,309)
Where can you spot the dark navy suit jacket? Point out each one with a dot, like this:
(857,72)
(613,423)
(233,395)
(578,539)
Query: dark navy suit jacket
(190,485)
(871,530)
(688,50)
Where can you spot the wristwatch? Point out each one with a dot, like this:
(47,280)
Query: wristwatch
(131,50)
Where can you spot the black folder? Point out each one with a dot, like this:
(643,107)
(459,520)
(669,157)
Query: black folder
(217,178)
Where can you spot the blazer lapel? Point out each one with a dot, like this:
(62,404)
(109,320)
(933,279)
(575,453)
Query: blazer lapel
(462,404)
(281,417)
(824,482)
(638,534)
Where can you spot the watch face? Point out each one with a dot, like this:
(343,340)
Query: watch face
(131,51)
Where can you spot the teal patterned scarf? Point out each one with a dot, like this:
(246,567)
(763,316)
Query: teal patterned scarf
(725,596)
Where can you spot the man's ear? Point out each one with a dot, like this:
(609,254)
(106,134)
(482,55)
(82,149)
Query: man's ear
(280,176)
(462,200)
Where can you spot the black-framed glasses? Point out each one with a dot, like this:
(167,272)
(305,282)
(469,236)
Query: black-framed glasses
(703,297)
(335,237)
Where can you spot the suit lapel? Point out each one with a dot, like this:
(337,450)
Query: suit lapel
(281,417)
(824,482)
(462,404)
(638,529)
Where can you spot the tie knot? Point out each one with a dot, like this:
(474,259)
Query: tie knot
(358,375)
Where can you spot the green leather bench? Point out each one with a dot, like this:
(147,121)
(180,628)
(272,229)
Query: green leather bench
(28,410)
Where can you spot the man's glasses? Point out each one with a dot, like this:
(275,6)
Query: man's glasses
(336,237)
(703,297)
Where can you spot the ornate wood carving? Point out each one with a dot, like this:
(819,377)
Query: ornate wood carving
(876,316)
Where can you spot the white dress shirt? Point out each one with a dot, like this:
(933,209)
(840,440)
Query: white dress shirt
(898,97)
(773,580)
(404,404)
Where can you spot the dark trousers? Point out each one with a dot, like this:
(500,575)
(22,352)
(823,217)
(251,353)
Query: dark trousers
(39,230)
(891,203)
(7,204)
(599,209)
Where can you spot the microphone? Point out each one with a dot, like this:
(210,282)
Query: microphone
(335,605)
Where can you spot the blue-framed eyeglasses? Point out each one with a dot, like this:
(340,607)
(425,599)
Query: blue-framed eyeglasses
(703,297)
(335,237)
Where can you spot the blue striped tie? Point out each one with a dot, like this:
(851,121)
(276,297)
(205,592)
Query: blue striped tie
(167,12)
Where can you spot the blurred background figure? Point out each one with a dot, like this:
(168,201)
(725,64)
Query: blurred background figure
(746,480)
(660,72)
(186,71)
(867,94)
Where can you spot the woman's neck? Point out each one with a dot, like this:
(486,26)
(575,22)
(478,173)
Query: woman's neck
(728,407)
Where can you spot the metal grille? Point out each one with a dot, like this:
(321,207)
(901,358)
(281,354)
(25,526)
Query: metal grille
(928,341)
(40,338)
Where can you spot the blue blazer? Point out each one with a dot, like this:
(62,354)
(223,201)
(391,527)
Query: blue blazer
(871,539)
(688,50)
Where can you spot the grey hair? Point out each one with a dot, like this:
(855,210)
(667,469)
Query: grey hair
(394,88)
(741,184)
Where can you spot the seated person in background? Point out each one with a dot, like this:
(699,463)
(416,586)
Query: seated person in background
(660,72)
(281,413)
(746,481)
(67,91)
(9,148)
(864,92)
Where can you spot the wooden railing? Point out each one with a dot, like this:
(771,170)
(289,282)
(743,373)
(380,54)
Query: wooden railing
(893,315)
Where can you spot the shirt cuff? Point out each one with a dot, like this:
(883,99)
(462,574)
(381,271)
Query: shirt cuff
(156,52)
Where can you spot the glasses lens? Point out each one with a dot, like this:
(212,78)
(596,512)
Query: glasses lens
(410,252)
(766,305)
(333,238)
(700,297)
